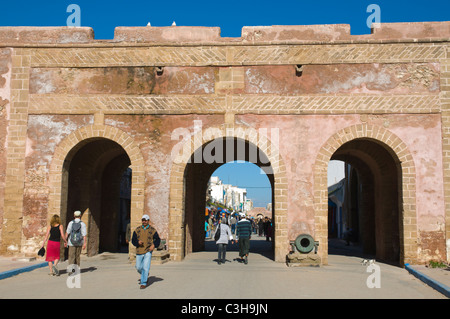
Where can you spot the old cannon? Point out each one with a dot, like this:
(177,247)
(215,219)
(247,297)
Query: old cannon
(304,244)
(301,254)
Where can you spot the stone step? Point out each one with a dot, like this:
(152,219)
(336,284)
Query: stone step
(160,256)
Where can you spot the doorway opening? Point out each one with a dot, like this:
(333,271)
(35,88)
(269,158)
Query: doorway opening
(97,182)
(239,190)
(202,165)
(365,206)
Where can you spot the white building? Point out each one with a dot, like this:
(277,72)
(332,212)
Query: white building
(336,193)
(216,190)
(248,205)
(228,195)
(336,172)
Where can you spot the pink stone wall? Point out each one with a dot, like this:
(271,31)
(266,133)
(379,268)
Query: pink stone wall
(45,132)
(224,70)
(402,78)
(301,138)
(122,80)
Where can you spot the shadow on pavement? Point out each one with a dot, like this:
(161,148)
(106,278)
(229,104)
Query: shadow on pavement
(83,270)
(153,279)
(258,245)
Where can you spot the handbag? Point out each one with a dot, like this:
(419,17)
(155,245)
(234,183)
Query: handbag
(41,252)
(217,234)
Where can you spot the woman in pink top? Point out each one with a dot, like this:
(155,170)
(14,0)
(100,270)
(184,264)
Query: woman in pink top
(54,234)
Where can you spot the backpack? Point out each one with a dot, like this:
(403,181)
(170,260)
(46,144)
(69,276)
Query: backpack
(75,235)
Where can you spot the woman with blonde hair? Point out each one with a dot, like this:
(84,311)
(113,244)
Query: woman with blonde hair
(56,232)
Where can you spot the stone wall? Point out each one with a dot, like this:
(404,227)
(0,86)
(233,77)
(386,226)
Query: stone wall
(316,87)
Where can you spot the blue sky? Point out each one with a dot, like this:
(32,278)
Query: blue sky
(249,176)
(230,16)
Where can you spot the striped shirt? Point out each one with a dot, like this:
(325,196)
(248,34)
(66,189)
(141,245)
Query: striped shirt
(244,229)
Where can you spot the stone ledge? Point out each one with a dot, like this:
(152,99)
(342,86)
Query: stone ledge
(303,260)
(166,34)
(160,257)
(182,35)
(46,35)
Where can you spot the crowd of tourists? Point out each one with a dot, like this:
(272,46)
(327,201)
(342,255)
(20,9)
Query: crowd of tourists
(261,225)
(224,227)
(220,224)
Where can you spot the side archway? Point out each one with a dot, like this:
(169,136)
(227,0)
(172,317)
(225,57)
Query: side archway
(359,145)
(177,197)
(115,150)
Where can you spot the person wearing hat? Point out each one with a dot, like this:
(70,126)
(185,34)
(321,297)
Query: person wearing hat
(76,238)
(243,235)
(145,239)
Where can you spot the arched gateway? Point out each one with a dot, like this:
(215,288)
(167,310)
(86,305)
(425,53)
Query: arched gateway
(387,172)
(85,175)
(194,162)
(75,112)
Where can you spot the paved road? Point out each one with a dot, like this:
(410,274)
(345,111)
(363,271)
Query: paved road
(111,276)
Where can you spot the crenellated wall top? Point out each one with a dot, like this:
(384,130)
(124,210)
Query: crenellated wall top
(193,35)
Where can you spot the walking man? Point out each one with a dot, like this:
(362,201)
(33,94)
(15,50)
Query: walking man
(145,239)
(243,235)
(76,238)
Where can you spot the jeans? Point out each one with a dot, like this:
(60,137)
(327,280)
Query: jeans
(222,252)
(143,266)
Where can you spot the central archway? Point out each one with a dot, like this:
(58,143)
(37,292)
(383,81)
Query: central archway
(190,174)
(198,173)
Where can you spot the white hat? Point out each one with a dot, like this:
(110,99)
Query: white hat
(146,217)
(77,213)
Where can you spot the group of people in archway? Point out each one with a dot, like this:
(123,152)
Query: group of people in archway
(225,227)
(261,225)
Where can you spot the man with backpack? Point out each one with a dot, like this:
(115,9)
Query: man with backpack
(76,236)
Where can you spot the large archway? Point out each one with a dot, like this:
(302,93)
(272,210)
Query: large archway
(185,201)
(372,197)
(213,154)
(121,151)
(385,169)
(92,178)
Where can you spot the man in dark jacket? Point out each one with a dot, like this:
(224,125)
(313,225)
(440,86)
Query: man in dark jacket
(243,234)
(145,239)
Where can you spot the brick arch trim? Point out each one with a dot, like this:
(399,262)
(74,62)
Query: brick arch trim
(398,149)
(176,196)
(98,131)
